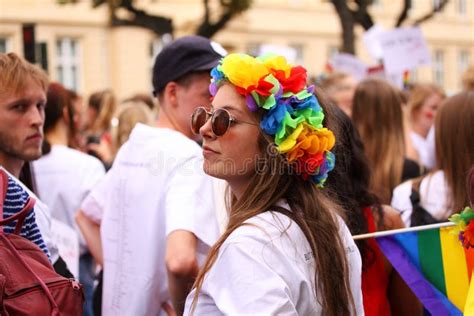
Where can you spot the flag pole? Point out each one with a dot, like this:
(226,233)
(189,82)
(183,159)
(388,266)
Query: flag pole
(403,230)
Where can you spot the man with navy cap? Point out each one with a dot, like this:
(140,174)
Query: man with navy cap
(155,207)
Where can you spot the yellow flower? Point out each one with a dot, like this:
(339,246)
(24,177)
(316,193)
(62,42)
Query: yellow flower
(276,62)
(290,141)
(243,70)
(311,141)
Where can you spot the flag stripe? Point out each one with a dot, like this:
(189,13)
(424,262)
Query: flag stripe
(433,300)
(469,307)
(409,242)
(431,262)
(455,268)
(469,261)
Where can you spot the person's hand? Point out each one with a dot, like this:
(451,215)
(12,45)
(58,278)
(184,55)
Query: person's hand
(168,309)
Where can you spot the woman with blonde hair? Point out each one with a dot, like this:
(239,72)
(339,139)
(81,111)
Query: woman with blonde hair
(285,249)
(423,103)
(378,117)
(442,192)
(129,114)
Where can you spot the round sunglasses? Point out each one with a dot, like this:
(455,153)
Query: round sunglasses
(220,120)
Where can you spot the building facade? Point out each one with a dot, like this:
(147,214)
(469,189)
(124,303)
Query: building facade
(81,51)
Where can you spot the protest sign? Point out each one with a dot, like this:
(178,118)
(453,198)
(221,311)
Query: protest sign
(404,49)
(67,241)
(349,64)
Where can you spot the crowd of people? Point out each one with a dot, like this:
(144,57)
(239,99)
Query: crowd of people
(241,195)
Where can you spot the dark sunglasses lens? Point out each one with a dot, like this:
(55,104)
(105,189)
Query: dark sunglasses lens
(198,119)
(220,122)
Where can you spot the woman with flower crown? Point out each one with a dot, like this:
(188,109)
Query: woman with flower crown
(285,250)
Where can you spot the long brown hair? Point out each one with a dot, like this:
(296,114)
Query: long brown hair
(454,128)
(377,115)
(105,104)
(312,211)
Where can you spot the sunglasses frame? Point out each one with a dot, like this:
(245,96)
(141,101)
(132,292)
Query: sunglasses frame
(212,116)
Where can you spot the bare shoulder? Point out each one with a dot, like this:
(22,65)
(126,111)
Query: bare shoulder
(392,218)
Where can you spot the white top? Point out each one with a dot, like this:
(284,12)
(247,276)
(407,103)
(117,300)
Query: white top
(43,220)
(425,148)
(433,197)
(156,186)
(64,177)
(268,268)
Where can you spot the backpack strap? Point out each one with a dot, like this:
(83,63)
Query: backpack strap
(3,190)
(20,216)
(419,215)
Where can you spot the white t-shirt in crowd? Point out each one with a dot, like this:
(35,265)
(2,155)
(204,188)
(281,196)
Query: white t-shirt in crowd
(156,186)
(43,220)
(64,177)
(268,268)
(425,148)
(433,197)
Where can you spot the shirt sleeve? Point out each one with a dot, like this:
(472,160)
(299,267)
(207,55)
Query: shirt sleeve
(94,204)
(242,263)
(189,202)
(401,201)
(354,261)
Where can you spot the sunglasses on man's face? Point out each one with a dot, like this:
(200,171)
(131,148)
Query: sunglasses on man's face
(220,120)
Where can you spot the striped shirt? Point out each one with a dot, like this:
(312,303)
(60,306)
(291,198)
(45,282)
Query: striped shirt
(14,202)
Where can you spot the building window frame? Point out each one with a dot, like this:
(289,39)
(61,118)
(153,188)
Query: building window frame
(464,60)
(461,7)
(5,44)
(68,62)
(438,67)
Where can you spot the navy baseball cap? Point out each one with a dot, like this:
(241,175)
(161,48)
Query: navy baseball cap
(182,56)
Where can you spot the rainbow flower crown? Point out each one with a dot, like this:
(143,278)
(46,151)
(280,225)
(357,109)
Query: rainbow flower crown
(293,114)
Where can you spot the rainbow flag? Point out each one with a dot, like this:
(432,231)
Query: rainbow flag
(435,265)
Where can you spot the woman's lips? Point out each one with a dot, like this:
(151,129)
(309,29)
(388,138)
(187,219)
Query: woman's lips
(206,151)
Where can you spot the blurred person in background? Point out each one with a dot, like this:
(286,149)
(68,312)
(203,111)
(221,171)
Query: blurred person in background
(101,108)
(423,103)
(65,176)
(437,195)
(468,79)
(77,129)
(340,88)
(377,115)
(384,291)
(144,98)
(129,114)
(124,120)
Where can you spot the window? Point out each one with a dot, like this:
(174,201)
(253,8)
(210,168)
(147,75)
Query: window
(68,62)
(4,45)
(438,67)
(462,7)
(463,63)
